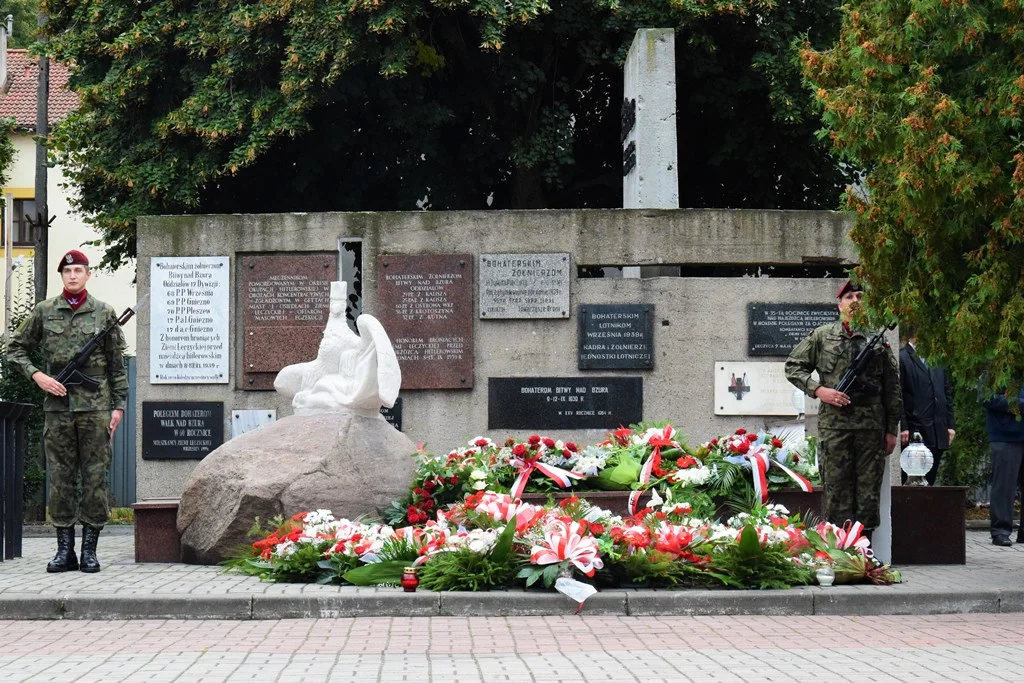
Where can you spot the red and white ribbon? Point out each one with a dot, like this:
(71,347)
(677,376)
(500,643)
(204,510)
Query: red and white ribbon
(526,467)
(802,483)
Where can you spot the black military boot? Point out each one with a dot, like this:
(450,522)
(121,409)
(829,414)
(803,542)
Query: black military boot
(65,560)
(90,535)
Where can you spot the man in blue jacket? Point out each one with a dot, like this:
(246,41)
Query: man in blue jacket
(1006,440)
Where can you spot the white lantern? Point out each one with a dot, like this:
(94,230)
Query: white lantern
(916,461)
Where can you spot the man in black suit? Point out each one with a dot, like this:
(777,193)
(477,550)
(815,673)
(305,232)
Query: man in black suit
(927,403)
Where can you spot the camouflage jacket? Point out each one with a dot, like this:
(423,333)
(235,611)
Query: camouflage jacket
(60,333)
(875,403)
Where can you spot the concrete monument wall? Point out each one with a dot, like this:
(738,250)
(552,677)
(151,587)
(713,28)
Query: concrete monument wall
(696,320)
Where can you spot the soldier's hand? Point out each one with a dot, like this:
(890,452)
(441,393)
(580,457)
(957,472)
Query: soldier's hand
(904,437)
(890,443)
(49,384)
(832,397)
(115,419)
(952,434)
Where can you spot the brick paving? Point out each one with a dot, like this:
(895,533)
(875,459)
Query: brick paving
(974,647)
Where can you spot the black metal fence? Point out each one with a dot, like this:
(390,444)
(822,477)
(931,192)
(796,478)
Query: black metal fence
(12,475)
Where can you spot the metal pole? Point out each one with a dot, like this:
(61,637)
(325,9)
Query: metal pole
(8,266)
(42,131)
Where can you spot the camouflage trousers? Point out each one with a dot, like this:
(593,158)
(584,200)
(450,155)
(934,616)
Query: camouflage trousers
(77,449)
(852,462)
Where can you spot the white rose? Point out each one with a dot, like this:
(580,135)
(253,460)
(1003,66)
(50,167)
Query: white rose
(480,485)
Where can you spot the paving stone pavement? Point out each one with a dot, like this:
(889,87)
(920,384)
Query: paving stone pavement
(989,582)
(960,647)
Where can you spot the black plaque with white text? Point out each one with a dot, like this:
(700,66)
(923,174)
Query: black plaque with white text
(394,414)
(181,430)
(774,329)
(564,402)
(616,337)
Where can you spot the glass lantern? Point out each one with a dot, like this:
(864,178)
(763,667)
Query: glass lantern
(916,461)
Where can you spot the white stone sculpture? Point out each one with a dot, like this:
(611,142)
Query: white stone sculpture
(358,373)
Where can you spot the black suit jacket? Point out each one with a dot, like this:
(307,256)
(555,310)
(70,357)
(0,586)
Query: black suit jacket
(927,400)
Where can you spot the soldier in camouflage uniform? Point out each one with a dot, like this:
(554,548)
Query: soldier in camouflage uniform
(858,430)
(79,423)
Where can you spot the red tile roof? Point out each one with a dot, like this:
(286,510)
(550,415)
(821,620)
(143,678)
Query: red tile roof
(19,101)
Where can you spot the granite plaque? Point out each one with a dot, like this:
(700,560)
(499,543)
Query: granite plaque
(564,402)
(774,329)
(285,300)
(425,302)
(616,336)
(394,414)
(188,331)
(524,285)
(755,388)
(181,430)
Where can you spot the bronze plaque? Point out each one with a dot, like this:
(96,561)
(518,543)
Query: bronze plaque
(425,303)
(285,300)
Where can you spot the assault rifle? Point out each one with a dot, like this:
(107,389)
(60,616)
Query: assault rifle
(71,375)
(852,374)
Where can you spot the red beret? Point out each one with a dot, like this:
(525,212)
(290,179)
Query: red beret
(72,258)
(848,286)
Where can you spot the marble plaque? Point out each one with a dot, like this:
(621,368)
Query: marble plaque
(774,329)
(181,430)
(188,331)
(564,402)
(755,388)
(425,302)
(243,421)
(616,336)
(285,300)
(524,285)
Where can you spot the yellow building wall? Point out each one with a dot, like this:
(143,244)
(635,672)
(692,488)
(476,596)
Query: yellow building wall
(68,231)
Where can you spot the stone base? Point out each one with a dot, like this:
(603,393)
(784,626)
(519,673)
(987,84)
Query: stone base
(156,530)
(929,524)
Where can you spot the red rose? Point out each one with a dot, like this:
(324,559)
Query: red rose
(411,512)
(566,502)
(714,441)
(427,504)
(742,447)
(796,458)
(519,450)
(751,438)
(777,442)
(480,443)
(569,445)
(549,442)
(534,439)
(509,441)
(429,484)
(741,431)
(597,529)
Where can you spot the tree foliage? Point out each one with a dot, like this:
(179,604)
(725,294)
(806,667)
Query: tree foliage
(303,105)
(926,96)
(26,20)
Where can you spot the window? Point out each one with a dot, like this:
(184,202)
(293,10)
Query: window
(24,234)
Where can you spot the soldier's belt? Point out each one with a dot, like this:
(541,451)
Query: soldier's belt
(95,372)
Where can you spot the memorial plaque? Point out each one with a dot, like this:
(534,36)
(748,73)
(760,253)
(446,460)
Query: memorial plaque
(564,402)
(425,302)
(188,331)
(524,285)
(285,300)
(243,421)
(394,414)
(616,336)
(755,388)
(774,329)
(181,430)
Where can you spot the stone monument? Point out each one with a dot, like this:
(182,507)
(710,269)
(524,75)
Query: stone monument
(336,452)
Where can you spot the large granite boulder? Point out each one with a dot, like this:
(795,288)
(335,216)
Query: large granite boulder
(347,463)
